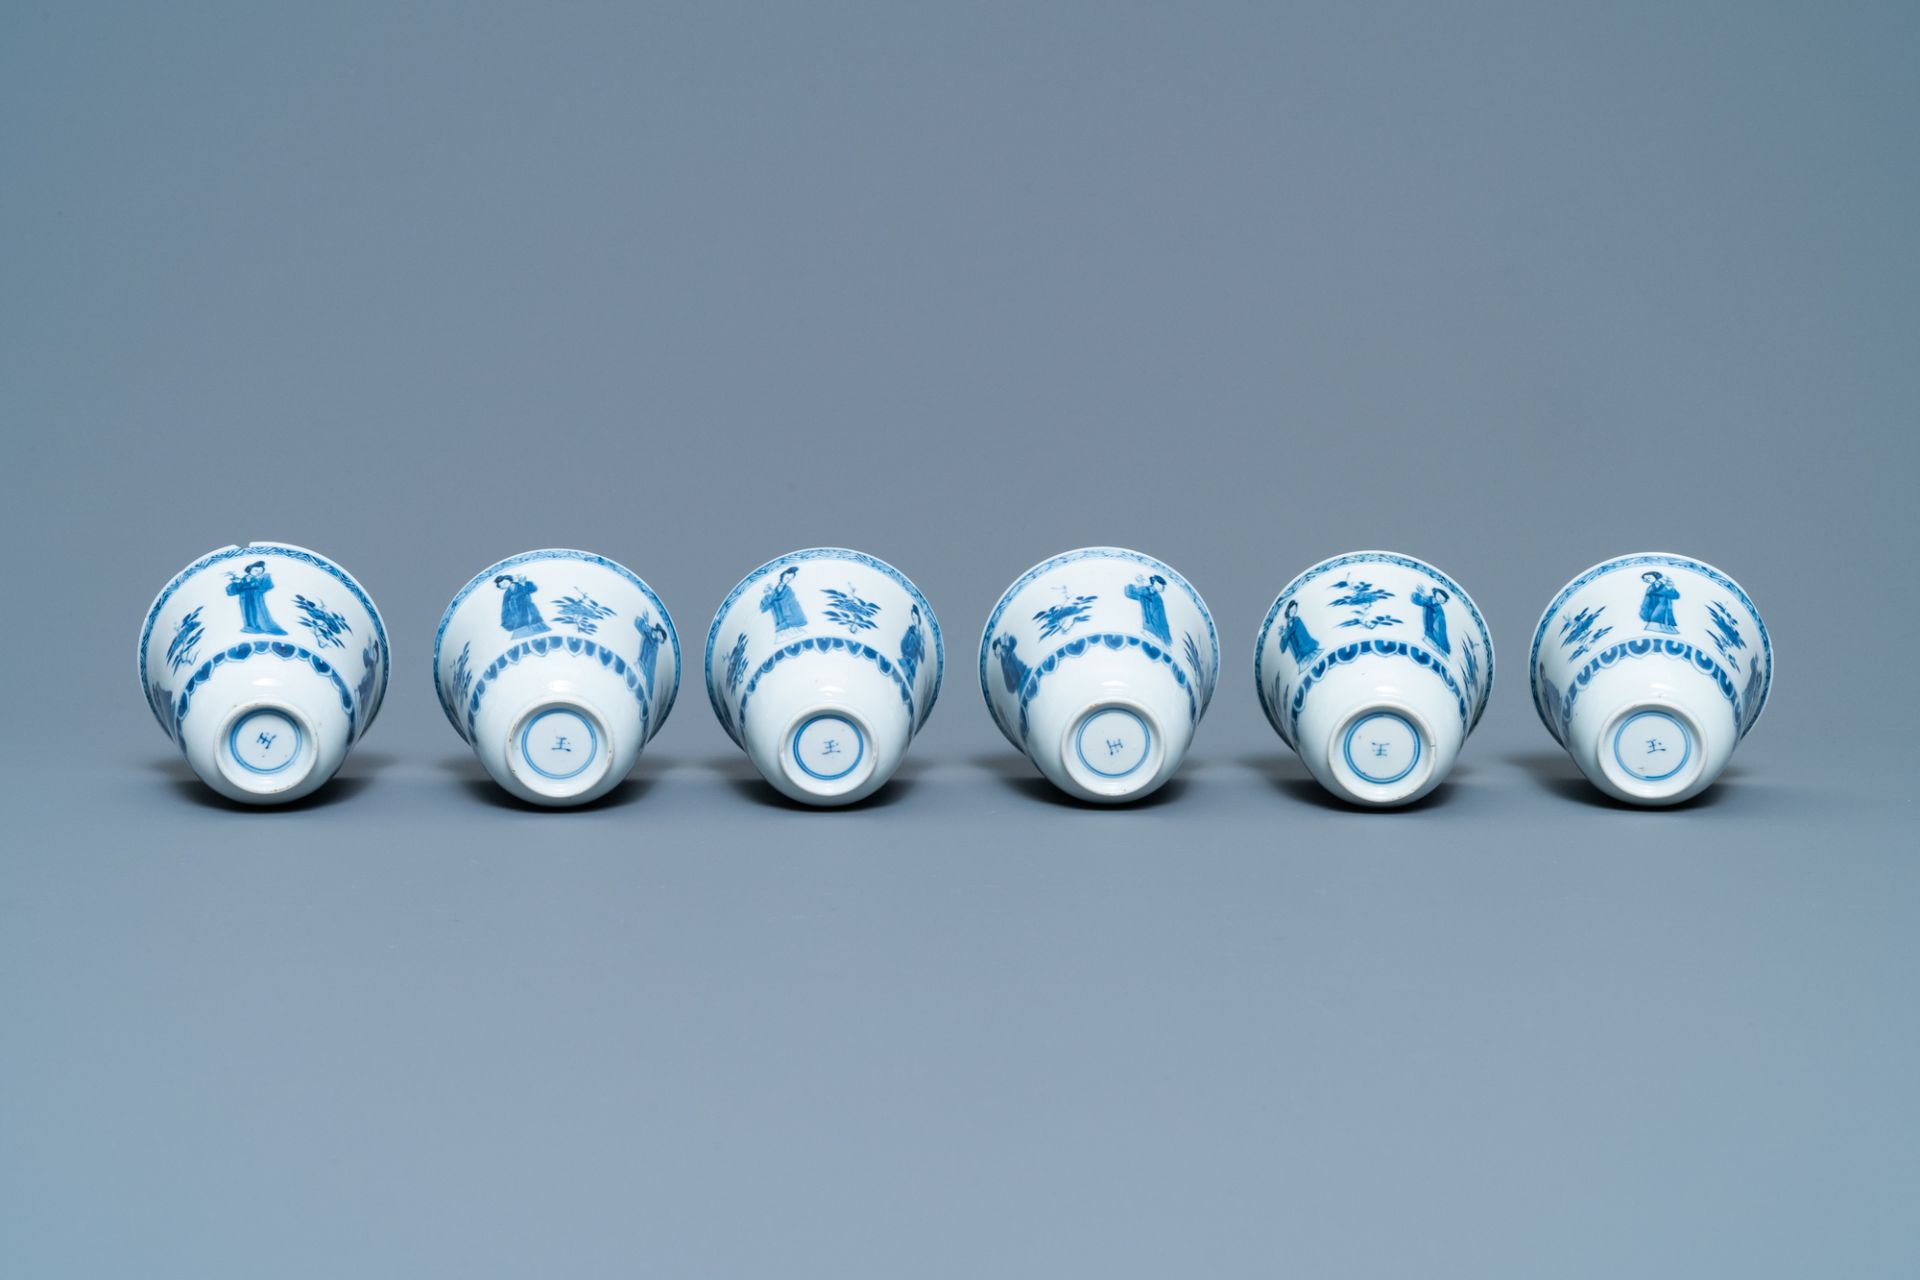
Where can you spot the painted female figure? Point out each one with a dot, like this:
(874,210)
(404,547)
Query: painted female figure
(518,613)
(1429,603)
(652,634)
(1153,609)
(252,587)
(1012,669)
(1656,607)
(779,600)
(912,646)
(1295,638)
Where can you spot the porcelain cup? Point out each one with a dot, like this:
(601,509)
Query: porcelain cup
(1649,669)
(557,667)
(1098,664)
(265,663)
(1374,667)
(821,665)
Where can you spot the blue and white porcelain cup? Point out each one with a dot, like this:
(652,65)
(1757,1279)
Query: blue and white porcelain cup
(1649,669)
(1374,667)
(557,667)
(821,665)
(265,663)
(1098,665)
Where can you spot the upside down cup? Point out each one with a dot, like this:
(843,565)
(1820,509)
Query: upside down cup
(1374,667)
(265,663)
(1649,669)
(1098,665)
(557,667)
(821,665)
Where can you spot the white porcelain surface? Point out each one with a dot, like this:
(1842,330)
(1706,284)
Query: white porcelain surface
(557,666)
(1374,666)
(822,664)
(1649,669)
(1098,664)
(265,663)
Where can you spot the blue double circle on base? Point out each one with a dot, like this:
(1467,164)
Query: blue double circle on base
(526,747)
(1685,737)
(859,738)
(233,741)
(1346,748)
(1146,739)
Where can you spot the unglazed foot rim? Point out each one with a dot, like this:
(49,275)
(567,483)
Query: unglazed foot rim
(1114,749)
(828,752)
(1652,751)
(1381,754)
(559,749)
(267,748)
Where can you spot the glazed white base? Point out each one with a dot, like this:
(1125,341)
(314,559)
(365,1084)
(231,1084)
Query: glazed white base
(827,729)
(1379,732)
(1627,708)
(222,733)
(1109,729)
(532,707)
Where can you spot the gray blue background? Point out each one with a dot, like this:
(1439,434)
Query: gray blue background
(1509,287)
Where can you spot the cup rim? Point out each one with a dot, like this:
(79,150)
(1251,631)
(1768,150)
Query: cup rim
(1672,559)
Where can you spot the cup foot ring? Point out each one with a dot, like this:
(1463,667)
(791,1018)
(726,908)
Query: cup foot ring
(828,752)
(1114,750)
(559,750)
(1652,751)
(267,749)
(1381,755)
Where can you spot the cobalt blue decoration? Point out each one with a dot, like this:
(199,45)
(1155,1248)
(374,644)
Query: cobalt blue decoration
(1656,607)
(1092,666)
(1580,631)
(1153,609)
(824,698)
(555,710)
(186,639)
(848,609)
(519,615)
(1433,616)
(251,586)
(581,612)
(228,663)
(1012,670)
(1058,619)
(1295,640)
(651,636)
(1683,688)
(1381,720)
(780,600)
(327,627)
(912,646)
